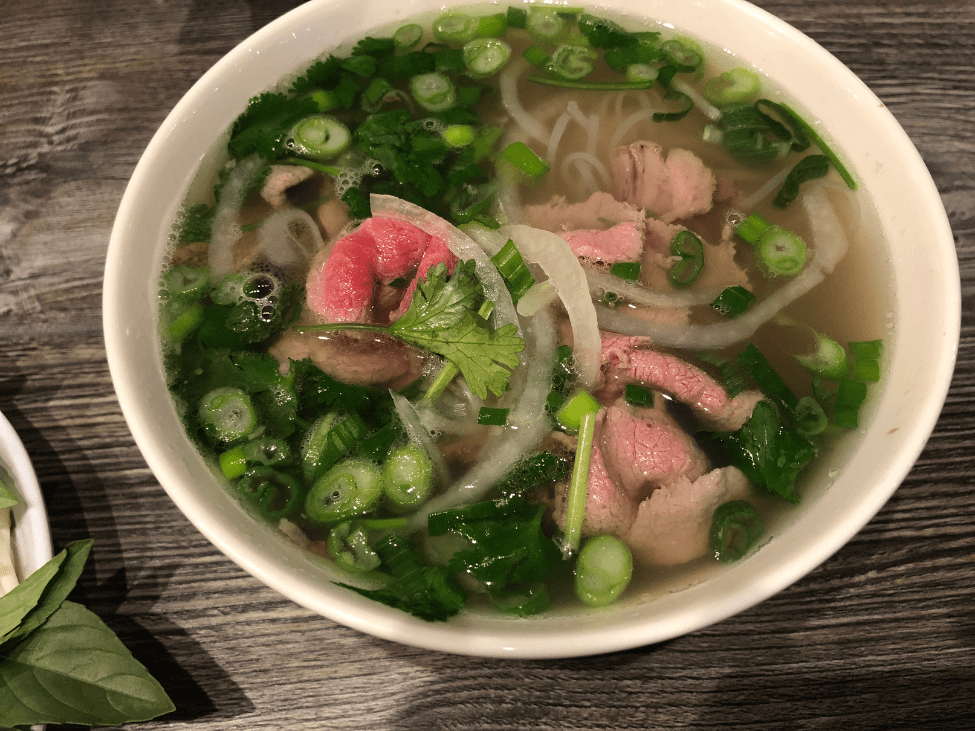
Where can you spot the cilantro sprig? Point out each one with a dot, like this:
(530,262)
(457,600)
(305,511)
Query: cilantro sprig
(442,318)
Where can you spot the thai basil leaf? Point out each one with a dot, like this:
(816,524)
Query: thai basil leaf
(73,669)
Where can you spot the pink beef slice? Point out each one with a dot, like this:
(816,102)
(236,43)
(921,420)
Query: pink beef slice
(630,359)
(622,242)
(672,525)
(601,210)
(676,187)
(341,285)
(608,508)
(643,448)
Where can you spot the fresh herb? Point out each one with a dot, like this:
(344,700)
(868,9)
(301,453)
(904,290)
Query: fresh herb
(507,543)
(427,591)
(442,318)
(767,452)
(42,634)
(534,470)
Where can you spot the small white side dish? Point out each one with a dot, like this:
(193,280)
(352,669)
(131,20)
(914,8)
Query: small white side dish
(925,320)
(31,534)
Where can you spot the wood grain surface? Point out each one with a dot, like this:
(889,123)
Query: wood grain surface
(882,636)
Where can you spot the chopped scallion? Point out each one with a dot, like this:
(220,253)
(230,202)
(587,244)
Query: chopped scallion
(737,86)
(688,247)
(524,159)
(486,56)
(603,570)
(637,395)
(407,36)
(735,527)
(488,416)
(629,270)
(733,301)
(454,27)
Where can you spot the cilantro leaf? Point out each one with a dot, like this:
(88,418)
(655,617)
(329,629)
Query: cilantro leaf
(442,319)
(263,128)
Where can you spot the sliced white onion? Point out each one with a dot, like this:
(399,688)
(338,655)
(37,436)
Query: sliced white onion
(551,252)
(765,191)
(830,244)
(601,282)
(527,425)
(627,124)
(226,229)
(539,295)
(710,111)
(420,435)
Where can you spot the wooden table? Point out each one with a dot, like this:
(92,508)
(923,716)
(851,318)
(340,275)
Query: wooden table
(881,636)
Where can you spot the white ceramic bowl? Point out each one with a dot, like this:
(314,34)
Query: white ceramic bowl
(871,463)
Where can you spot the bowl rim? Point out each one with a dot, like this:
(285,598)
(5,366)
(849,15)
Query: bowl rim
(525,638)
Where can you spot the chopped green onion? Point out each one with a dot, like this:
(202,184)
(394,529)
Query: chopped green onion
(629,270)
(752,228)
(610,299)
(454,27)
(847,417)
(186,283)
(536,56)
(320,137)
(350,488)
(435,92)
(687,104)
(735,527)
(488,416)
(866,369)
(598,86)
(278,495)
(637,395)
(534,470)
(510,264)
(603,570)
(781,253)
(870,349)
(264,451)
(690,249)
(328,440)
(810,167)
(732,376)
(821,390)
(575,511)
(824,148)
(736,86)
(449,60)
(459,135)
(523,158)
(486,56)
(733,301)
(407,476)
(349,547)
(572,62)
(829,360)
(681,55)
(575,408)
(227,414)
(183,319)
(544,24)
(492,26)
(810,417)
(851,393)
(516,17)
(641,73)
(407,36)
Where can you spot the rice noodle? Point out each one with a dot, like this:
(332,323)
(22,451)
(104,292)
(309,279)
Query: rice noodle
(508,83)
(627,124)
(593,138)
(527,425)
(710,111)
(573,109)
(830,244)
(593,163)
(226,228)
(557,131)
(462,245)
(280,242)
(765,191)
(551,252)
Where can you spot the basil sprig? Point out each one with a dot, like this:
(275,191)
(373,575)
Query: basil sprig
(40,631)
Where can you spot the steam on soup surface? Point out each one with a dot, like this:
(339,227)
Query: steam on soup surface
(496,303)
